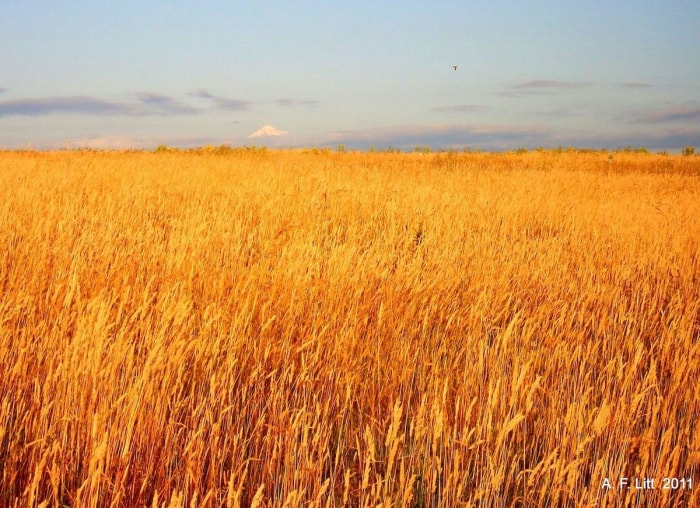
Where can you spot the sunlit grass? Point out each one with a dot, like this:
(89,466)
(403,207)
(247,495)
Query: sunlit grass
(328,329)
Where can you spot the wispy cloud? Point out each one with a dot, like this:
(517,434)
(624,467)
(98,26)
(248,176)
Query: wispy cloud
(547,84)
(288,103)
(461,108)
(687,113)
(2,90)
(146,104)
(223,102)
(663,138)
(542,86)
(162,105)
(634,84)
(560,113)
(508,137)
(63,105)
(484,136)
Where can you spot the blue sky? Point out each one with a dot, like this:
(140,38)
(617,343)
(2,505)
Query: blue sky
(539,73)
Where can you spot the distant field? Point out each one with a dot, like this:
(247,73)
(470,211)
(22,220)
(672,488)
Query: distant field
(268,328)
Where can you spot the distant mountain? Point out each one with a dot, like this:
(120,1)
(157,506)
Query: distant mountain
(268,130)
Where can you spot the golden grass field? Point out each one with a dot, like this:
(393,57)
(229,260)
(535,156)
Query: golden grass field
(312,328)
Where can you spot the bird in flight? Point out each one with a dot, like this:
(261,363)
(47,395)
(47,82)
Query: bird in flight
(454,67)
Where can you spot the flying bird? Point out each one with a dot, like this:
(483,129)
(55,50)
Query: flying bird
(454,67)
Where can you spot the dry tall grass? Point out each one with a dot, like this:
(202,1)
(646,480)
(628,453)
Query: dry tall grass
(328,329)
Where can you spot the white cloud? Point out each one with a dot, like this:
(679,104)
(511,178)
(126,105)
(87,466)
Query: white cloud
(108,143)
(126,142)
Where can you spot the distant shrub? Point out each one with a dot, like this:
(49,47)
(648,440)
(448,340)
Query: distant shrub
(224,150)
(688,150)
(240,151)
(633,149)
(258,150)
